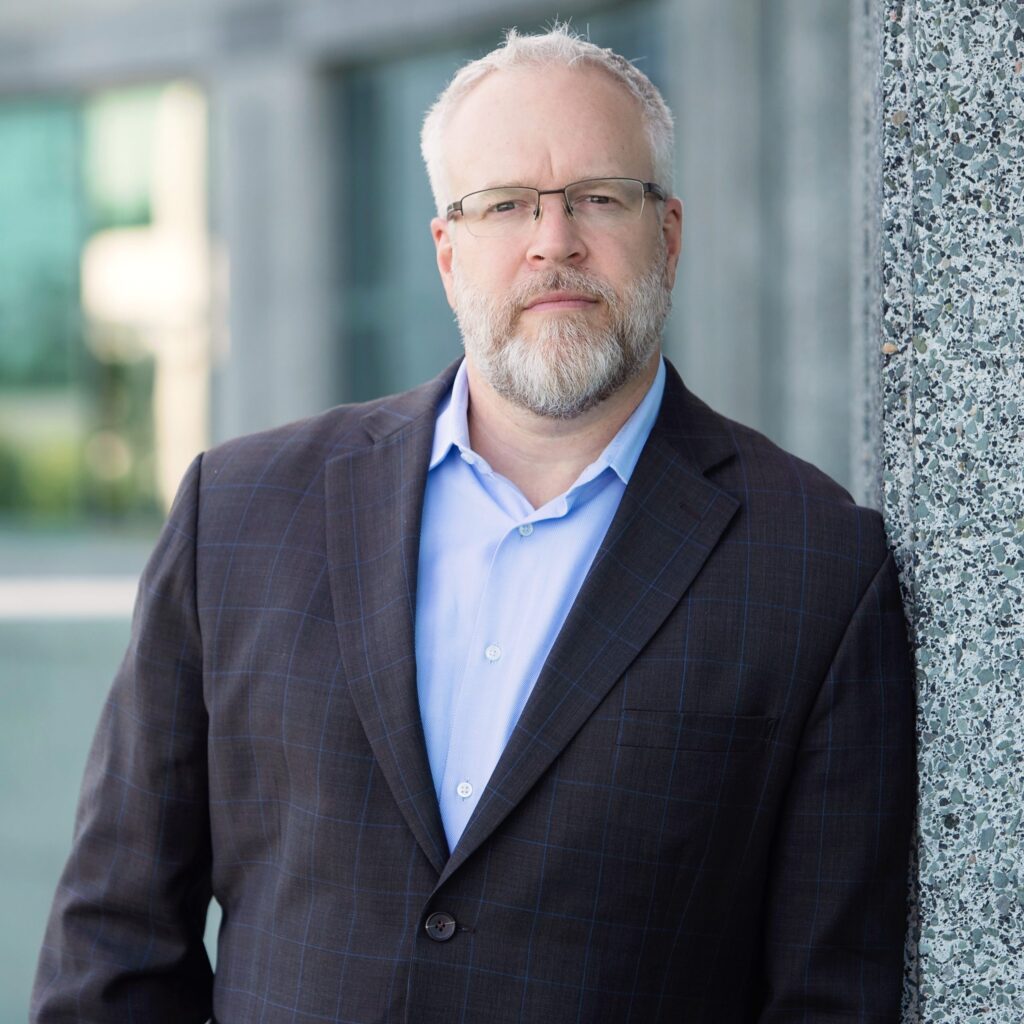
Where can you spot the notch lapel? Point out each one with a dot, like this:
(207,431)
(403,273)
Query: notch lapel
(667,524)
(374,508)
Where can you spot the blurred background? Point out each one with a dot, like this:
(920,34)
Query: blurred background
(213,218)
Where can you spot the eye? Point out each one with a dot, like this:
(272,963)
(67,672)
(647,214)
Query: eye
(506,206)
(606,196)
(599,202)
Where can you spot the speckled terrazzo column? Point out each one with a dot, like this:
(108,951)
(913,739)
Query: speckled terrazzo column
(942,317)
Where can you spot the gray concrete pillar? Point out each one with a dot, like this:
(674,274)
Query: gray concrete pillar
(273,199)
(947,339)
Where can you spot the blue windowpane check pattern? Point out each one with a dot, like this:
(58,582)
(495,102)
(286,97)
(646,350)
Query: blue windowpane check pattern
(702,813)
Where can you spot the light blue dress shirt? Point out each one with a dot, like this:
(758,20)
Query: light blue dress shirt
(497,578)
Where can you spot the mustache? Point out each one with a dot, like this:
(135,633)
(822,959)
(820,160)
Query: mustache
(568,279)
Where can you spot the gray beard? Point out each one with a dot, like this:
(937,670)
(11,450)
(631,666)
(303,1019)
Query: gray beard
(569,366)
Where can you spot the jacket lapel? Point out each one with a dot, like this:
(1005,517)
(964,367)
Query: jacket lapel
(667,523)
(374,507)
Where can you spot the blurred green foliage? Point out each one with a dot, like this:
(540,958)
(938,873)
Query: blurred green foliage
(42,480)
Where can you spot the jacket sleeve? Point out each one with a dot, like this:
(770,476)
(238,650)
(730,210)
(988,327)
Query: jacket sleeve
(837,902)
(125,935)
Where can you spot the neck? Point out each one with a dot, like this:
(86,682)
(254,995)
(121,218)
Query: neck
(540,455)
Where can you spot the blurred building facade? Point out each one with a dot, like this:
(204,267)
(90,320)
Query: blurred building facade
(320,281)
(214,219)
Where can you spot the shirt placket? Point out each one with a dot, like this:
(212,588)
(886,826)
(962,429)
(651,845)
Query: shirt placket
(492,682)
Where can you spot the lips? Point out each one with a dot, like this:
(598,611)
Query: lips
(561,301)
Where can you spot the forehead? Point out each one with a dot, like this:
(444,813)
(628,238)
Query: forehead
(545,127)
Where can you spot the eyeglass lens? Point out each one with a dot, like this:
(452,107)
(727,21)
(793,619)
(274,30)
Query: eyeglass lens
(599,203)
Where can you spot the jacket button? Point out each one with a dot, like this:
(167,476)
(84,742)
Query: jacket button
(440,926)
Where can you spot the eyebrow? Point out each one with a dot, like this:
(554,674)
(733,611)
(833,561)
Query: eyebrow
(504,183)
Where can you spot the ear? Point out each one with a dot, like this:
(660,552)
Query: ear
(672,231)
(439,228)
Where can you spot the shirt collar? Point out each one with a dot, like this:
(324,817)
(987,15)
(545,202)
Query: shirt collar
(451,428)
(452,424)
(623,451)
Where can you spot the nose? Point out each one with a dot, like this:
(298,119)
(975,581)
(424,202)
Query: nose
(555,235)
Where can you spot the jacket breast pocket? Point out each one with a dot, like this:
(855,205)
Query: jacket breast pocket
(674,730)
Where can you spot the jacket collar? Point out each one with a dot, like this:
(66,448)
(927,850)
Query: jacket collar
(670,518)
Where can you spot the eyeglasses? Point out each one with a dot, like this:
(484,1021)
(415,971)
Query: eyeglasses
(604,204)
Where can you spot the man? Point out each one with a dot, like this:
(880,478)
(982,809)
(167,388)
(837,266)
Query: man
(541,693)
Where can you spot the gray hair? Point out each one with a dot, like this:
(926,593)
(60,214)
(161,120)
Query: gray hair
(559,46)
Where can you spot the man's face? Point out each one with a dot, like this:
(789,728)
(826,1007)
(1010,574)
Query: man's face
(561,315)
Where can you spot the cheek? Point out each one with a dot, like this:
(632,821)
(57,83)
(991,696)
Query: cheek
(640,258)
(487,265)
(492,287)
(621,273)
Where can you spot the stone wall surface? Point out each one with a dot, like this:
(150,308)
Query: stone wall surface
(950,334)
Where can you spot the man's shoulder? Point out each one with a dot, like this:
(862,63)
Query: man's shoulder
(806,508)
(295,454)
(785,500)
(769,468)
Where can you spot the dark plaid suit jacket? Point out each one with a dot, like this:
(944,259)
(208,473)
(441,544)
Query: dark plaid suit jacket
(702,816)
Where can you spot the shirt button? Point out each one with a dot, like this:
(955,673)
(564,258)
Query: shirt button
(464,789)
(493,652)
(526,529)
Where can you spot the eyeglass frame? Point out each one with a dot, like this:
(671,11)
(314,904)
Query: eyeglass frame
(650,188)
